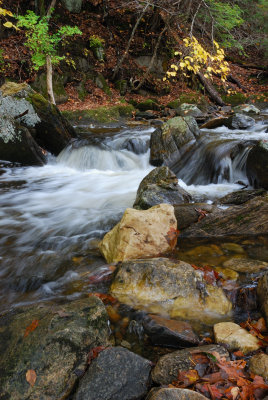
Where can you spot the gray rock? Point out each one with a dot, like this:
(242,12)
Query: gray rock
(174,394)
(116,374)
(247,109)
(160,186)
(189,110)
(257,165)
(49,129)
(240,121)
(167,142)
(56,349)
(74,6)
(169,332)
(169,365)
(241,196)
(245,220)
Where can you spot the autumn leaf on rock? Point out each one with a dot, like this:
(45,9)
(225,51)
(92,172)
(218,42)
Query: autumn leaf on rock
(31,377)
(171,237)
(31,327)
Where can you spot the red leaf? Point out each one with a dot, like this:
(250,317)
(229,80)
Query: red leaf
(171,237)
(31,327)
(94,353)
(106,298)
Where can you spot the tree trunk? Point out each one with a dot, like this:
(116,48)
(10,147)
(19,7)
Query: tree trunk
(49,81)
(214,95)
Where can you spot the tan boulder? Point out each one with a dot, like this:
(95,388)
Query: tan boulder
(140,234)
(245,265)
(258,364)
(235,337)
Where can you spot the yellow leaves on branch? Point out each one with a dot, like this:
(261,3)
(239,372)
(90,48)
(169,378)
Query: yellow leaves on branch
(200,60)
(8,13)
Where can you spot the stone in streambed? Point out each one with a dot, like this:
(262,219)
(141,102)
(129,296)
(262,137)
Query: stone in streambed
(139,234)
(262,292)
(174,394)
(258,365)
(246,265)
(163,286)
(169,332)
(160,186)
(169,365)
(241,196)
(54,341)
(235,337)
(116,374)
(240,121)
(257,165)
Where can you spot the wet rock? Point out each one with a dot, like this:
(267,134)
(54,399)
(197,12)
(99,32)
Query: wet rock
(235,337)
(246,265)
(160,285)
(174,394)
(257,165)
(144,115)
(116,374)
(247,109)
(139,234)
(215,123)
(188,214)
(240,121)
(169,332)
(44,121)
(258,365)
(169,365)
(262,292)
(167,142)
(245,220)
(241,196)
(189,110)
(54,341)
(160,186)
(17,144)
(227,274)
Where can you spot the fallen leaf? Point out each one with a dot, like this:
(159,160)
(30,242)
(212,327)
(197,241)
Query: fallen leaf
(172,237)
(31,327)
(106,298)
(94,353)
(31,377)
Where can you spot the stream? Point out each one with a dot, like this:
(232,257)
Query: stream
(53,216)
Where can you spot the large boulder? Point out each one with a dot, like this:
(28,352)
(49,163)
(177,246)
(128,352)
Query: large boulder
(116,374)
(140,234)
(257,165)
(189,110)
(168,141)
(22,106)
(169,365)
(248,219)
(53,341)
(17,144)
(173,287)
(241,196)
(240,121)
(160,186)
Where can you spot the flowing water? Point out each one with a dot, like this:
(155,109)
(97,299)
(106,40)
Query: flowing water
(51,217)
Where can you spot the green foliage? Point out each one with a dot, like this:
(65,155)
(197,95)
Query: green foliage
(40,41)
(95,41)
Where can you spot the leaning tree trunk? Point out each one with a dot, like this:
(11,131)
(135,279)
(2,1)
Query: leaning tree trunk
(213,93)
(49,81)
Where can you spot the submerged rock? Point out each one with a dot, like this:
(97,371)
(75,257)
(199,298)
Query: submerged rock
(140,234)
(167,141)
(248,219)
(54,341)
(174,394)
(257,165)
(169,365)
(163,286)
(235,337)
(116,374)
(22,106)
(160,186)
(169,332)
(246,265)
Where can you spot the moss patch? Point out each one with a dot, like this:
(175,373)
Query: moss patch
(101,114)
(234,99)
(11,88)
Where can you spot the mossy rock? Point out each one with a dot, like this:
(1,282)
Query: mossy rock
(234,99)
(101,114)
(121,85)
(40,85)
(189,98)
(148,104)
